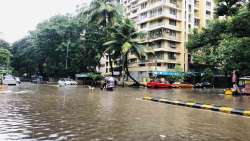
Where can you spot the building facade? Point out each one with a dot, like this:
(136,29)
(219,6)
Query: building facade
(166,25)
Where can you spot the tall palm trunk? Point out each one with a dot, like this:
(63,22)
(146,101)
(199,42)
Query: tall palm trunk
(111,64)
(127,71)
(109,52)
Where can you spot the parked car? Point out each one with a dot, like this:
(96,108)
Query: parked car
(66,81)
(36,79)
(203,85)
(9,80)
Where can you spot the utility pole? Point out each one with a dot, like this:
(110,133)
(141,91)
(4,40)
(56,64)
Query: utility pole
(67,55)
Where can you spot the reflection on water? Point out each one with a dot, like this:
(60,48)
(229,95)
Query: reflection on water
(35,112)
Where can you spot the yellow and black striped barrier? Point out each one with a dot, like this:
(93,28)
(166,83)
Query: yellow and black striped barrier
(200,106)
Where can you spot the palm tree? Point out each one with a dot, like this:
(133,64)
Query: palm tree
(104,13)
(124,40)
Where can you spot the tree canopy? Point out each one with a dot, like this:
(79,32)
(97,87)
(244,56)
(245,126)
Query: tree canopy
(4,57)
(224,43)
(65,45)
(228,7)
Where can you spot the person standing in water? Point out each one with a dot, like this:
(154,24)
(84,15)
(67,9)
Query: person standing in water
(110,83)
(234,77)
(235,81)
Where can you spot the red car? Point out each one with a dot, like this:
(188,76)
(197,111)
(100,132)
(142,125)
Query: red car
(158,85)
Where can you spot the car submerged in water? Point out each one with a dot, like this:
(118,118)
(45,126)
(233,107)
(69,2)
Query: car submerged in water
(66,81)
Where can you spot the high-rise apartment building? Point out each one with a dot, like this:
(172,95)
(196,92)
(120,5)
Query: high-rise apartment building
(166,24)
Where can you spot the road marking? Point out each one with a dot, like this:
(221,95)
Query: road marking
(210,107)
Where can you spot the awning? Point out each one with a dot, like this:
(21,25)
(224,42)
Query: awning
(163,73)
(82,75)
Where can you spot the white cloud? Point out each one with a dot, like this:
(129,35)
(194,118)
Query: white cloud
(20,16)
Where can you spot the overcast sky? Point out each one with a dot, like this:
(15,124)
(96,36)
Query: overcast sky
(17,17)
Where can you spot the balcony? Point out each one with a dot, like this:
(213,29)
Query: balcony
(160,37)
(163,25)
(150,68)
(164,3)
(163,14)
(167,49)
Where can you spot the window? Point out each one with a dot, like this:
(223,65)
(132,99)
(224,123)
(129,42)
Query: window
(156,11)
(173,11)
(144,5)
(189,8)
(173,1)
(155,34)
(144,15)
(172,44)
(158,64)
(171,56)
(134,11)
(171,66)
(158,45)
(172,22)
(208,13)
(196,22)
(196,3)
(160,55)
(189,28)
(172,33)
(107,63)
(143,25)
(107,70)
(208,4)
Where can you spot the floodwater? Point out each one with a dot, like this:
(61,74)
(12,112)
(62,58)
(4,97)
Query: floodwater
(42,112)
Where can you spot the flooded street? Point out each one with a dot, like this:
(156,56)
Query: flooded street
(42,112)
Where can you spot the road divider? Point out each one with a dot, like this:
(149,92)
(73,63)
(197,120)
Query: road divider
(211,107)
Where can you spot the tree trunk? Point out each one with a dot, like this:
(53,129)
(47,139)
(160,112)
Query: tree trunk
(111,64)
(127,71)
(123,71)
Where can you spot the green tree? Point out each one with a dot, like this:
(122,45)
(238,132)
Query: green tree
(104,14)
(4,44)
(124,40)
(228,7)
(234,53)
(5,57)
(203,44)
(53,42)
(224,44)
(59,46)
(24,60)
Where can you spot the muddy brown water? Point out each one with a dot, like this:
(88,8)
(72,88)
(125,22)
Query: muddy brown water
(42,112)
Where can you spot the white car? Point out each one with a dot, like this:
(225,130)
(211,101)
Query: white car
(9,80)
(66,81)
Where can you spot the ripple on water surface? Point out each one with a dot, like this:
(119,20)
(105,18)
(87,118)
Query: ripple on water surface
(75,113)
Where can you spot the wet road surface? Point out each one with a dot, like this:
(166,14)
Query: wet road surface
(41,112)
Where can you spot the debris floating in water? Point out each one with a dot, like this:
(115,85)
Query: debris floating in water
(162,136)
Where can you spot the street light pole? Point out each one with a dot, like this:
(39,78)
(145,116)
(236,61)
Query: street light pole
(67,55)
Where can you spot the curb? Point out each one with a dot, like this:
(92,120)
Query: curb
(210,107)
